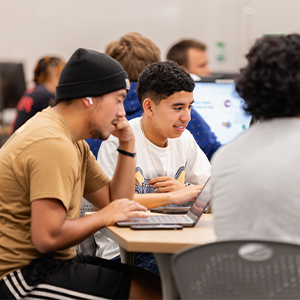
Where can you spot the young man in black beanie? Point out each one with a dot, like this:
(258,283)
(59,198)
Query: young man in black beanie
(46,168)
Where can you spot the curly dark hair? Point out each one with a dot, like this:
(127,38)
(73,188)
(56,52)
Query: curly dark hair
(270,83)
(161,80)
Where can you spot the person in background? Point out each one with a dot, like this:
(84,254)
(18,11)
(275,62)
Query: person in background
(255,178)
(134,52)
(192,56)
(38,97)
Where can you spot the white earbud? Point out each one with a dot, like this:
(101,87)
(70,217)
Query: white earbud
(90,100)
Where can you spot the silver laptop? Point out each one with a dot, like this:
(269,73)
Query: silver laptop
(188,220)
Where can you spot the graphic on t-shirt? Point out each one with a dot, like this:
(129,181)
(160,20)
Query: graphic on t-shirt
(25,104)
(141,183)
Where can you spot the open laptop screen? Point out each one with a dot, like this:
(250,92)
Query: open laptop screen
(201,203)
(221,108)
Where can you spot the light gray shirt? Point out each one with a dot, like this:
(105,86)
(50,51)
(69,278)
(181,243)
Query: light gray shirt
(256,183)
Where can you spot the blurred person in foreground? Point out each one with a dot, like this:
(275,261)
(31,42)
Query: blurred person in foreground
(38,97)
(255,178)
(45,169)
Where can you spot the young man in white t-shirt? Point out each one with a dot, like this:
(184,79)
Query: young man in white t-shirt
(170,168)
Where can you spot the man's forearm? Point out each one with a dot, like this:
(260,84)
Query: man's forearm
(50,231)
(123,180)
(75,231)
(154,199)
(159,199)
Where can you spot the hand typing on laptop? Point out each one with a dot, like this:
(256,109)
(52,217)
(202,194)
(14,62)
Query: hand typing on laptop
(188,220)
(182,196)
(122,210)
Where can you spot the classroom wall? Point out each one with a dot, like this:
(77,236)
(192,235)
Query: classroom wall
(33,28)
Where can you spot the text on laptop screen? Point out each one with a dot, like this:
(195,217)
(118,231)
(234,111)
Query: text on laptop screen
(221,108)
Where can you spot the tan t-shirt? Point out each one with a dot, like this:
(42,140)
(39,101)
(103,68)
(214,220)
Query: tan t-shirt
(41,160)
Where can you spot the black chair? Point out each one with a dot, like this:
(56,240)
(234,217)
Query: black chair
(238,269)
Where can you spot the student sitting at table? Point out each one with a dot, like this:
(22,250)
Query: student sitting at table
(46,168)
(168,158)
(255,178)
(134,52)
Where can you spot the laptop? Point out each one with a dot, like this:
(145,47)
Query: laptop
(187,220)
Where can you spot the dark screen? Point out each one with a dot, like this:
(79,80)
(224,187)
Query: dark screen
(12,84)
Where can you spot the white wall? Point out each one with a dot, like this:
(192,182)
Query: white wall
(30,29)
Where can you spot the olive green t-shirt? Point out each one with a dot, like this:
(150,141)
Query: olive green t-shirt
(41,160)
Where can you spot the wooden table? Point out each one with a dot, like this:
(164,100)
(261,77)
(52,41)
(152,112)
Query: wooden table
(162,243)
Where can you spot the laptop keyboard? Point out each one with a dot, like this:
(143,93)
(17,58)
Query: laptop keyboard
(165,219)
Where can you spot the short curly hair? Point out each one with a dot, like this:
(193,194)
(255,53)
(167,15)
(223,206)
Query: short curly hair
(270,83)
(161,80)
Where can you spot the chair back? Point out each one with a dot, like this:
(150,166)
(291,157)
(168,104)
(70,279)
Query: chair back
(88,246)
(240,269)
(85,206)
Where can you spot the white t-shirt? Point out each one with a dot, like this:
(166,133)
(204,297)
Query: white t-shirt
(182,159)
(255,183)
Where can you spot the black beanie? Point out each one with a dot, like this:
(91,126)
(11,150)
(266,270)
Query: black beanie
(90,73)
